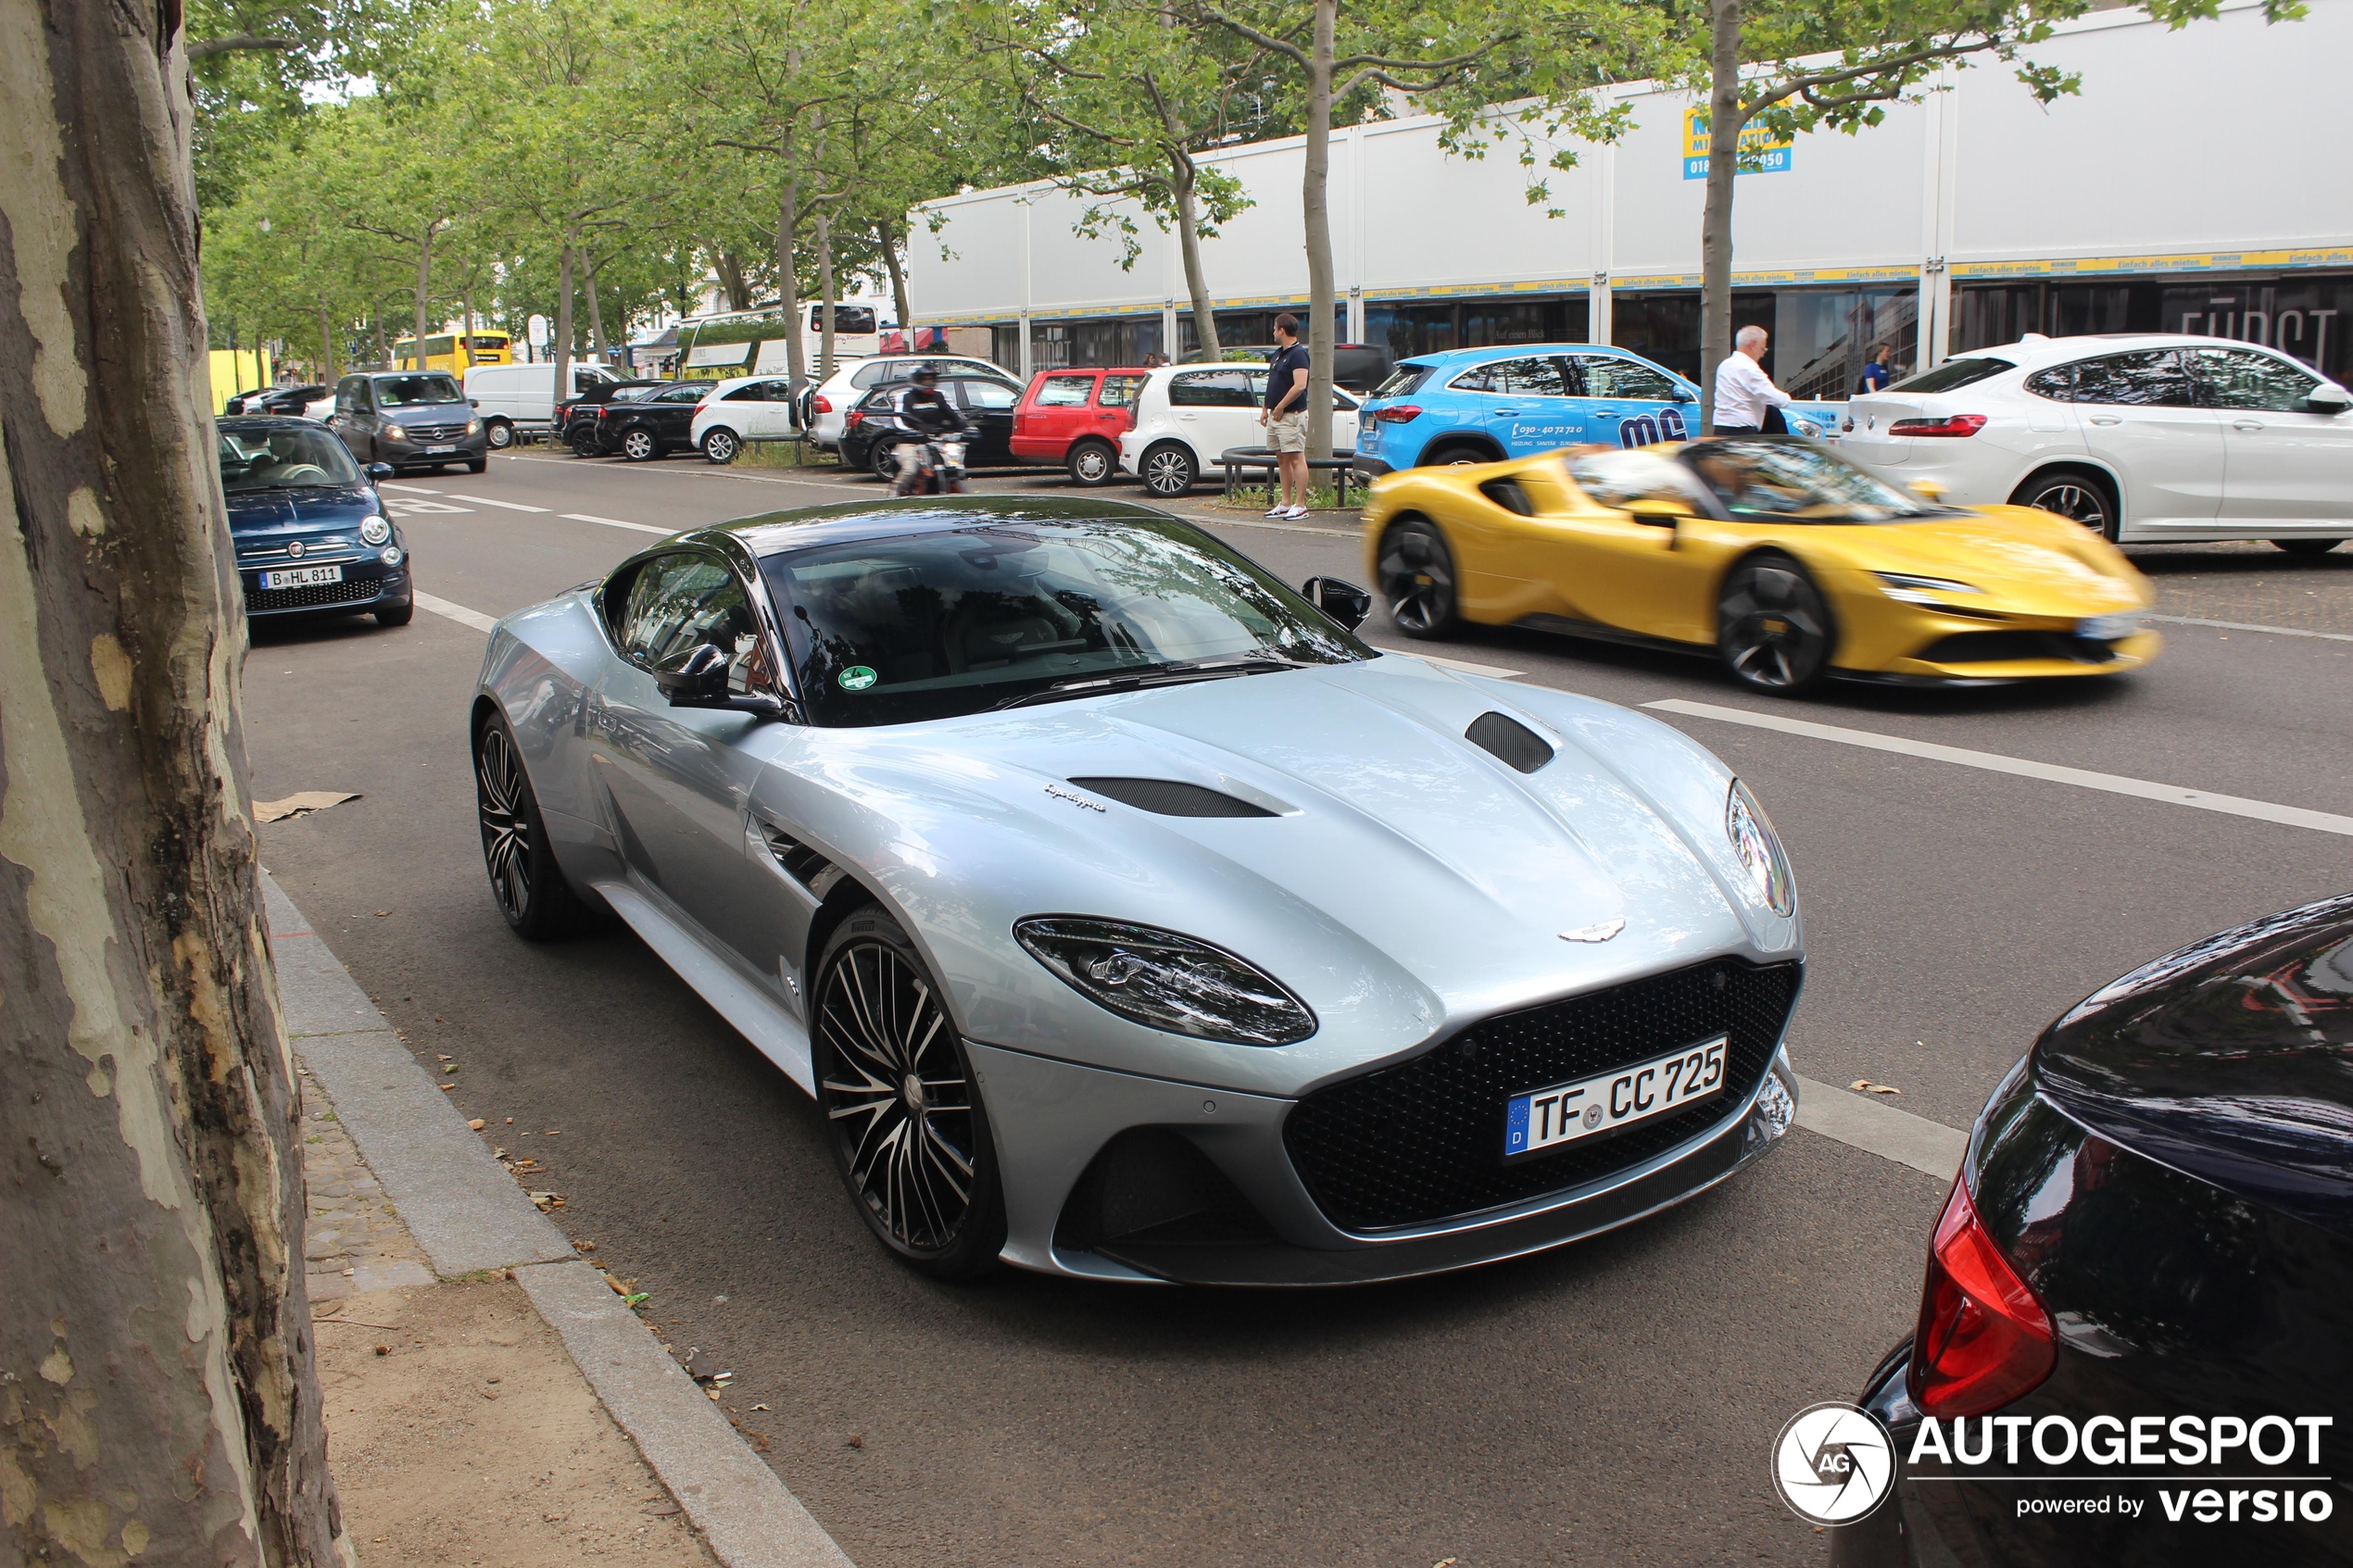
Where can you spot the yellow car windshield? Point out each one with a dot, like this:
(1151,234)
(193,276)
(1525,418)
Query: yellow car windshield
(1795,482)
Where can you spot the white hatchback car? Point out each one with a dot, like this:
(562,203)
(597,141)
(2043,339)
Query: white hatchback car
(2143,437)
(831,400)
(739,410)
(1187,415)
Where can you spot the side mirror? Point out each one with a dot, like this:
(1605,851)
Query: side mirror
(2327,399)
(1343,601)
(1685,395)
(473,402)
(696,676)
(1927,489)
(379,472)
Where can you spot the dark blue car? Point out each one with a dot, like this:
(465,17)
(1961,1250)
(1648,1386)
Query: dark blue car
(312,535)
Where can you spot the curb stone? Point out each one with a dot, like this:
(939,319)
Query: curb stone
(468,1214)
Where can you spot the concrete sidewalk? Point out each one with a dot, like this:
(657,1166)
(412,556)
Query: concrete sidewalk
(423,1244)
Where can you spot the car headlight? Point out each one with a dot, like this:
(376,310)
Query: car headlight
(1163,980)
(1921,590)
(1759,849)
(375,531)
(392,555)
(473,427)
(393,432)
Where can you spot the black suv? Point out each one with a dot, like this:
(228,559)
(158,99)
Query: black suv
(641,423)
(409,419)
(875,431)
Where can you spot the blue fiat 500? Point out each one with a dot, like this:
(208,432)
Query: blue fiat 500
(1483,405)
(311,533)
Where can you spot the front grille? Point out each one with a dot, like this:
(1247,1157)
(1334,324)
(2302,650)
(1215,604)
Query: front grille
(1424,1140)
(318,597)
(2002,648)
(315,552)
(435,433)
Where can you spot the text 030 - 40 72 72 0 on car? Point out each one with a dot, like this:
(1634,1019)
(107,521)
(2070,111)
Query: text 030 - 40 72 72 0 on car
(1791,564)
(1131,919)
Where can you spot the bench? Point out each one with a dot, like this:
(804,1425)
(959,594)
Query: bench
(1235,460)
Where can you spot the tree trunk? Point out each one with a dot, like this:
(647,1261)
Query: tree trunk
(1196,276)
(597,314)
(469,319)
(731,281)
(562,344)
(384,349)
(327,346)
(424,293)
(788,275)
(825,292)
(1316,207)
(885,233)
(159,1398)
(1724,121)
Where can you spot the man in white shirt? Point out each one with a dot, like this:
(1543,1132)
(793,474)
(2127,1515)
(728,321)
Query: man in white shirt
(1743,391)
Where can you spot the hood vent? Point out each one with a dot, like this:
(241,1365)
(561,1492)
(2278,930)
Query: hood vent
(1511,742)
(1166,797)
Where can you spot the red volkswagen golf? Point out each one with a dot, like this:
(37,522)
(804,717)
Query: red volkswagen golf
(1075,417)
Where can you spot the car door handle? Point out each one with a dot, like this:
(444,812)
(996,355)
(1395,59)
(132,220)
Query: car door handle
(2247,424)
(2105,420)
(1511,411)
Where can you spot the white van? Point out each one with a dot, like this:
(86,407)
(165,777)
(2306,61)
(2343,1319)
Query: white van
(515,400)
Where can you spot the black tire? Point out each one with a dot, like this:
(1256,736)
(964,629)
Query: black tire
(909,1135)
(883,461)
(525,882)
(480,465)
(640,446)
(584,446)
(1773,627)
(1416,571)
(721,444)
(1092,463)
(397,615)
(499,434)
(1169,471)
(1455,454)
(2305,547)
(2079,495)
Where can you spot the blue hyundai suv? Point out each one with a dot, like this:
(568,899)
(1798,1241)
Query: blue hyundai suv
(311,534)
(1508,400)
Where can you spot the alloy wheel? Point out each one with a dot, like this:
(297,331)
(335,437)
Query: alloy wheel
(637,446)
(885,462)
(720,446)
(1168,472)
(506,824)
(897,1094)
(1416,577)
(1773,628)
(2078,502)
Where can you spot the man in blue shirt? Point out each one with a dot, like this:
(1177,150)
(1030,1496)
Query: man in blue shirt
(1285,417)
(1880,371)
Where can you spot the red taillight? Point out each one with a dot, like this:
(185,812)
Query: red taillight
(1397,414)
(1953,424)
(823,406)
(852,420)
(1983,1338)
(1132,417)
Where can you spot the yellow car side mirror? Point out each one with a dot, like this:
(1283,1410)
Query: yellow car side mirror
(1927,489)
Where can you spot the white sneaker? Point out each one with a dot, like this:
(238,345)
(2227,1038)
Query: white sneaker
(1277,509)
(1295,513)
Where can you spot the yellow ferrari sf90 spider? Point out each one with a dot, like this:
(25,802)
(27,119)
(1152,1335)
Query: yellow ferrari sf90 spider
(1789,561)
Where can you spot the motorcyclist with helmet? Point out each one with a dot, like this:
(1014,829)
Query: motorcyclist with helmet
(934,418)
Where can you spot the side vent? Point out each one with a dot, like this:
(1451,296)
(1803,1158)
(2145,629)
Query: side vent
(800,862)
(1508,494)
(1167,798)
(1511,742)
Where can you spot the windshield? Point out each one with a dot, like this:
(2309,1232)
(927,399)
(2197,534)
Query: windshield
(283,459)
(932,625)
(402,392)
(1797,481)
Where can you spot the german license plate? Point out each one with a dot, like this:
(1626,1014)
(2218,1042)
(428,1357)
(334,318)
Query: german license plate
(435,451)
(1547,1118)
(302,577)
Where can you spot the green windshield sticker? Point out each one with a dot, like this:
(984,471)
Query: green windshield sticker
(857,678)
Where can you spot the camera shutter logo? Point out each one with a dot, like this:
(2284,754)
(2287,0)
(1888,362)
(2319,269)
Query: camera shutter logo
(1833,1464)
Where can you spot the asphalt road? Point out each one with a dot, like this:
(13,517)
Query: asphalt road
(1609,1403)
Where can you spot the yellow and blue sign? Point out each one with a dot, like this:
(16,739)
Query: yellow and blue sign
(1758,146)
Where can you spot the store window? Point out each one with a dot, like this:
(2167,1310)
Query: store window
(1408,330)
(1664,328)
(2302,317)
(1822,338)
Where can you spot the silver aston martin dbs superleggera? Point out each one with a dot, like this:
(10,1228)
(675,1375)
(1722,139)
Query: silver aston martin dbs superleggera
(1126,915)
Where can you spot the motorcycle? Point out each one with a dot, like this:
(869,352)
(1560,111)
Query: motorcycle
(932,468)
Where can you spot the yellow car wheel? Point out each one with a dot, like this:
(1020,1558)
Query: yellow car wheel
(1773,627)
(1417,576)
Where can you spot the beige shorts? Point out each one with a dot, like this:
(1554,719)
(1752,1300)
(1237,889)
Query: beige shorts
(1287,433)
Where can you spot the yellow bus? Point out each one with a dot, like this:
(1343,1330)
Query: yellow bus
(447,352)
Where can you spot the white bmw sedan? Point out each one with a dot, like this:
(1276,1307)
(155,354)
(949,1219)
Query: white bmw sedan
(2144,438)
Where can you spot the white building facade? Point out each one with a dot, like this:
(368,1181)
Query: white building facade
(2197,184)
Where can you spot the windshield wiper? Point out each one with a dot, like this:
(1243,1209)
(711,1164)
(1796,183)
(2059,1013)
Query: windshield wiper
(1172,673)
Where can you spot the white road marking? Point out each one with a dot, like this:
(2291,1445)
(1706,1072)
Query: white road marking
(510,506)
(615,523)
(705,471)
(1992,763)
(1879,1128)
(2248,626)
(1497,670)
(458,613)
(412,489)
(404,508)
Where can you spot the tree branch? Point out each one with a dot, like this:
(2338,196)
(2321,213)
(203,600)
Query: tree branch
(1263,40)
(202,48)
(1806,84)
